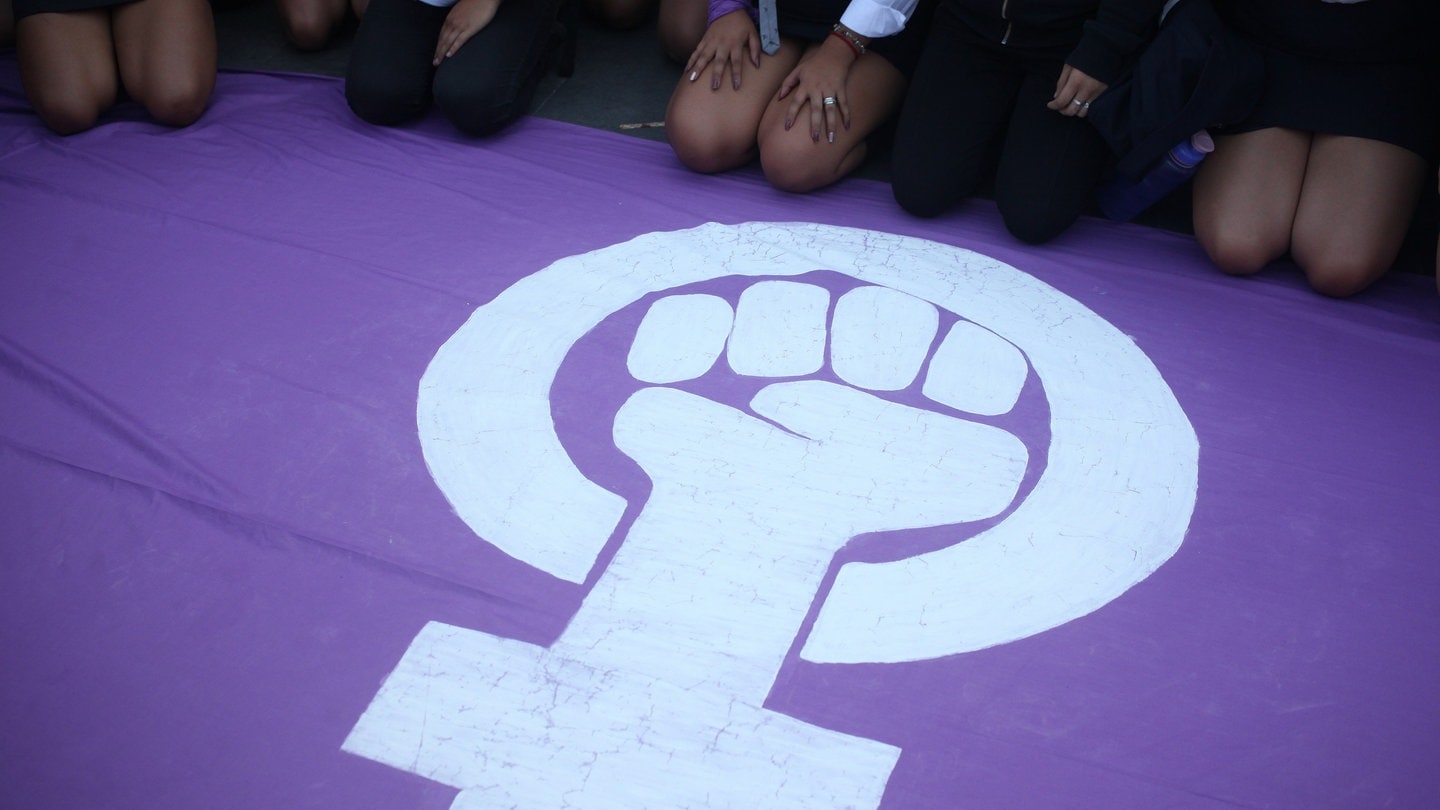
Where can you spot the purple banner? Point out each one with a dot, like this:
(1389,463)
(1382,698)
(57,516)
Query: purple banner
(348,467)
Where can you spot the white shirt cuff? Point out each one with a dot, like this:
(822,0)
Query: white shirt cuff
(877,18)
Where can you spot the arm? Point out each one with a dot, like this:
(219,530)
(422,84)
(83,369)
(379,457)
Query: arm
(728,39)
(877,18)
(1118,30)
(822,75)
(466,19)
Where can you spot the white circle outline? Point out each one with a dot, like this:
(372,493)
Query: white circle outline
(1112,505)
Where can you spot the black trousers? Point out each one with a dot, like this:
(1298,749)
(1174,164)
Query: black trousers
(487,84)
(974,106)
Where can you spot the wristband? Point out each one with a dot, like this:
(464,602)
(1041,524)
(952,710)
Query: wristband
(849,38)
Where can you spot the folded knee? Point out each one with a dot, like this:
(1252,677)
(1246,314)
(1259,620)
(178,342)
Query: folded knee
(1034,226)
(705,158)
(478,120)
(678,44)
(1340,273)
(795,176)
(380,102)
(1238,254)
(477,110)
(798,164)
(69,116)
(179,104)
(74,107)
(918,189)
(309,31)
(919,199)
(1031,221)
(703,150)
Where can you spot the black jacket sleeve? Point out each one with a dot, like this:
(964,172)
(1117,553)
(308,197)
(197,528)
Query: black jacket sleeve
(1118,30)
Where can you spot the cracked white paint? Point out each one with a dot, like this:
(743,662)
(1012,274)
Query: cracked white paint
(976,371)
(881,337)
(780,330)
(652,697)
(658,357)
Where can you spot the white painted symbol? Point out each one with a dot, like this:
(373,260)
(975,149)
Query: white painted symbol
(653,696)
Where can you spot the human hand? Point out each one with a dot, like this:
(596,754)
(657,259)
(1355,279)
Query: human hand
(1074,92)
(466,19)
(820,80)
(725,42)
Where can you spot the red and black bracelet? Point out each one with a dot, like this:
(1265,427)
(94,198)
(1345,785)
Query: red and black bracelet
(848,37)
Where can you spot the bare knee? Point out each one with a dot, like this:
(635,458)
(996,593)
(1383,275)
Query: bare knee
(1340,272)
(704,149)
(1337,282)
(75,110)
(1240,253)
(709,155)
(798,165)
(70,115)
(678,44)
(795,173)
(68,94)
(181,102)
(681,26)
(309,26)
(68,120)
(309,34)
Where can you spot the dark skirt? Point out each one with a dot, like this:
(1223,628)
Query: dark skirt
(24,8)
(1373,75)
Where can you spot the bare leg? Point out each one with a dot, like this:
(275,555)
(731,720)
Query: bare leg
(714,130)
(166,50)
(682,24)
(67,66)
(309,24)
(1355,207)
(795,161)
(1246,195)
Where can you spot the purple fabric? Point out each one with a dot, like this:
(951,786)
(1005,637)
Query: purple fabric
(719,8)
(219,534)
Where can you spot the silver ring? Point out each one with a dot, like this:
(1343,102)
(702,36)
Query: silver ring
(1085,106)
(1077,102)
(829,100)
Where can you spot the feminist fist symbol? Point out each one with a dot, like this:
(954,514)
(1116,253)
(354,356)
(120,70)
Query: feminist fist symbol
(652,697)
